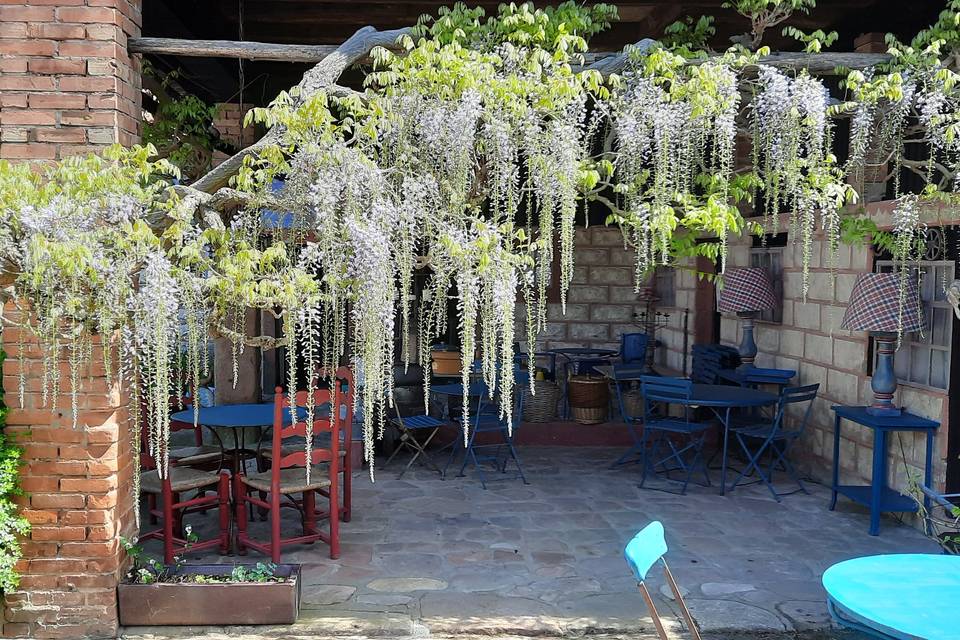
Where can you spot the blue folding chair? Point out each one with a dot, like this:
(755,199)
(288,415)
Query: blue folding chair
(642,552)
(486,419)
(659,393)
(775,439)
(408,428)
(626,374)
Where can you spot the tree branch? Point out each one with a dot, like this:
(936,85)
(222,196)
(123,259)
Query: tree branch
(322,76)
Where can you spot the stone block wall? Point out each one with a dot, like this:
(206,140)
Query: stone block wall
(78,498)
(601,300)
(810,341)
(67,84)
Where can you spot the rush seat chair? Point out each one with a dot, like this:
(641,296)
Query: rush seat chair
(287,477)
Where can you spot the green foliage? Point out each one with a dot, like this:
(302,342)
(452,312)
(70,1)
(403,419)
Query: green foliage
(813,42)
(689,38)
(12,524)
(181,128)
(147,570)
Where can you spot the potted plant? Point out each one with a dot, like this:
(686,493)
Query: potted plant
(155,594)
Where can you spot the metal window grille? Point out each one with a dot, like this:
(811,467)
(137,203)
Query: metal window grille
(923,358)
(771,259)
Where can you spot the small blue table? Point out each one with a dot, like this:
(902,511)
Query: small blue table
(877,495)
(896,597)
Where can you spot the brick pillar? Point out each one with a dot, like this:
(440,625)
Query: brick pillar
(79,500)
(67,84)
(229,122)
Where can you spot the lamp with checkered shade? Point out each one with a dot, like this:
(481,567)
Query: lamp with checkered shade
(875,306)
(746,291)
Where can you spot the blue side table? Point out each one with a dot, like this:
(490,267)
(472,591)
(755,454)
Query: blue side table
(877,495)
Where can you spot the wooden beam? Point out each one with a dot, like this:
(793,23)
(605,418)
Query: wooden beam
(815,62)
(231,49)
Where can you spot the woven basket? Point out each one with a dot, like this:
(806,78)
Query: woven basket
(589,415)
(633,403)
(587,392)
(543,406)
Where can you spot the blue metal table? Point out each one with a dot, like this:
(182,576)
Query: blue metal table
(722,400)
(752,376)
(239,417)
(896,597)
(478,390)
(877,495)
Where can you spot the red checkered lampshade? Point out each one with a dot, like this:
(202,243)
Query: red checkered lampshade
(746,289)
(875,305)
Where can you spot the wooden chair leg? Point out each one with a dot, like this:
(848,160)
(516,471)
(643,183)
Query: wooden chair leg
(223,492)
(309,512)
(691,624)
(240,496)
(653,611)
(334,516)
(168,524)
(275,527)
(347,489)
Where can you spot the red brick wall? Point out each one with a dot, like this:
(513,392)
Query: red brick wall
(67,84)
(229,122)
(78,500)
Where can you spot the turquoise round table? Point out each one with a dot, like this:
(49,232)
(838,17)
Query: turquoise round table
(902,596)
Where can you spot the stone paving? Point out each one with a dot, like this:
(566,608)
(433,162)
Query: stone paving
(425,556)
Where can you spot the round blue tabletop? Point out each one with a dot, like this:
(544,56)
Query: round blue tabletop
(903,596)
(719,395)
(234,415)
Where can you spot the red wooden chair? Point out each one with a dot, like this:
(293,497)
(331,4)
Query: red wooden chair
(199,455)
(179,480)
(344,380)
(287,477)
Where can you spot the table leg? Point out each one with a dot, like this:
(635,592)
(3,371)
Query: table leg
(927,476)
(836,462)
(723,462)
(879,478)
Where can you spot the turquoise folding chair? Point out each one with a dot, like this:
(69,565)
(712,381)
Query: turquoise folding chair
(642,552)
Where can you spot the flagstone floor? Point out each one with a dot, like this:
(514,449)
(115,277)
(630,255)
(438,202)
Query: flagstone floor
(429,556)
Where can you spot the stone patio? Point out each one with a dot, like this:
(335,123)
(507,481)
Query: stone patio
(424,556)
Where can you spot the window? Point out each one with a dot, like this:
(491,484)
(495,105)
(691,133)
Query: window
(664,287)
(923,358)
(770,257)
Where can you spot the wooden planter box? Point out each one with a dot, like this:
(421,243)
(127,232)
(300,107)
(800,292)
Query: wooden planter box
(212,604)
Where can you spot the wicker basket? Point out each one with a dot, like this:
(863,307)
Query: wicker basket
(589,415)
(587,392)
(633,402)
(541,407)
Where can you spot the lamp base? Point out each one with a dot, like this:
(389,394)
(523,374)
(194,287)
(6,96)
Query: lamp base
(885,411)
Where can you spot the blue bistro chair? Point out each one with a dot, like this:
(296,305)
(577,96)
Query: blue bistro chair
(486,419)
(627,375)
(774,438)
(633,348)
(682,436)
(642,552)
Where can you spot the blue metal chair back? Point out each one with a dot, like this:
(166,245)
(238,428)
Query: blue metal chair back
(667,390)
(633,347)
(643,551)
(795,395)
